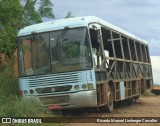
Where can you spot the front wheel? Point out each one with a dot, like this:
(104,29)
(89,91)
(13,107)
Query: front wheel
(109,106)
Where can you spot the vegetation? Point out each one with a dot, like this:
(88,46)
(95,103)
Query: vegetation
(17,14)
(11,104)
(149,94)
(14,16)
(69,15)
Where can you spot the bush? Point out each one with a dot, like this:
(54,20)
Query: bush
(14,107)
(149,94)
(8,86)
(11,104)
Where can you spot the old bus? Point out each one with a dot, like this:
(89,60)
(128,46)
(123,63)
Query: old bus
(82,62)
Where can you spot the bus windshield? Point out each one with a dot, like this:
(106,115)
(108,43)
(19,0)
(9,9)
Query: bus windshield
(53,52)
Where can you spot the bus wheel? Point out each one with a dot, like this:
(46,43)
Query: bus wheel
(110,99)
(109,106)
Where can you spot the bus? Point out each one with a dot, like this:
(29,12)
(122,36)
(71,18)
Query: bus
(82,62)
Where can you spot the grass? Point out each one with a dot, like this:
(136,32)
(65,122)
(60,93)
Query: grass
(149,94)
(8,86)
(11,104)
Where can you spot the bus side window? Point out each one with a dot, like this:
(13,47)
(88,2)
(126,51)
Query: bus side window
(94,53)
(108,48)
(106,52)
(95,46)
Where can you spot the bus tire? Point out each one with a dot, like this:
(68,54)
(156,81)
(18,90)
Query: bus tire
(109,106)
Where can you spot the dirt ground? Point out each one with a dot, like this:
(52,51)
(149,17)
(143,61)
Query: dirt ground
(146,106)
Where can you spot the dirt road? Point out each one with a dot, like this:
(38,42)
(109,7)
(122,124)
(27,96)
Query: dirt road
(146,106)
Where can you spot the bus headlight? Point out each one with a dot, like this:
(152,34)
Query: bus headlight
(76,87)
(90,86)
(25,92)
(84,86)
(31,91)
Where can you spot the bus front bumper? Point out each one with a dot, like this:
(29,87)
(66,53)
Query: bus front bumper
(81,99)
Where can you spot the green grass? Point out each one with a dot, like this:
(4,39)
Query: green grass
(11,104)
(149,94)
(14,107)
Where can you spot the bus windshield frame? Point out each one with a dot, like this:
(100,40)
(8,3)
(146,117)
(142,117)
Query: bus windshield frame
(57,51)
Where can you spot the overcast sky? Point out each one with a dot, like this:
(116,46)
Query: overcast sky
(139,17)
(156,69)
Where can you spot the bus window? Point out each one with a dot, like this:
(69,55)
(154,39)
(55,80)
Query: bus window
(125,47)
(27,56)
(70,50)
(94,53)
(34,53)
(117,45)
(133,50)
(40,54)
(95,47)
(107,55)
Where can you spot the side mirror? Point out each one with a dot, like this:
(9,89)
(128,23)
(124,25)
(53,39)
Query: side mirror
(95,34)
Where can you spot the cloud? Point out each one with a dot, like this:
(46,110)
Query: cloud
(154,48)
(155,60)
(139,17)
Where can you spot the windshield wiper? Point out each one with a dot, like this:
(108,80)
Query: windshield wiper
(61,36)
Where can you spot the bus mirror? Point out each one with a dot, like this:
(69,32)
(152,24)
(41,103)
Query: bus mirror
(97,31)
(95,35)
(94,27)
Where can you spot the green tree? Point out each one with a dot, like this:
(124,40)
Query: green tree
(16,14)
(69,15)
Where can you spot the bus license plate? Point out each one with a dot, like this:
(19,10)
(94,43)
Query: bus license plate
(54,106)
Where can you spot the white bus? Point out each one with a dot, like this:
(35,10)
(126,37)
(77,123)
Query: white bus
(82,62)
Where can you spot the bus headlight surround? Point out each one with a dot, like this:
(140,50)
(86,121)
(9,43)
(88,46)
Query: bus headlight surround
(76,87)
(84,86)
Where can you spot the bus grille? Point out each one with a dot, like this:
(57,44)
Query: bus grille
(55,79)
(56,89)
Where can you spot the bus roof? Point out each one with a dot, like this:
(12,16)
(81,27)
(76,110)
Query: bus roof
(72,22)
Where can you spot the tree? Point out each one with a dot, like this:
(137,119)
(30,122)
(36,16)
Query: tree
(17,14)
(9,16)
(69,15)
